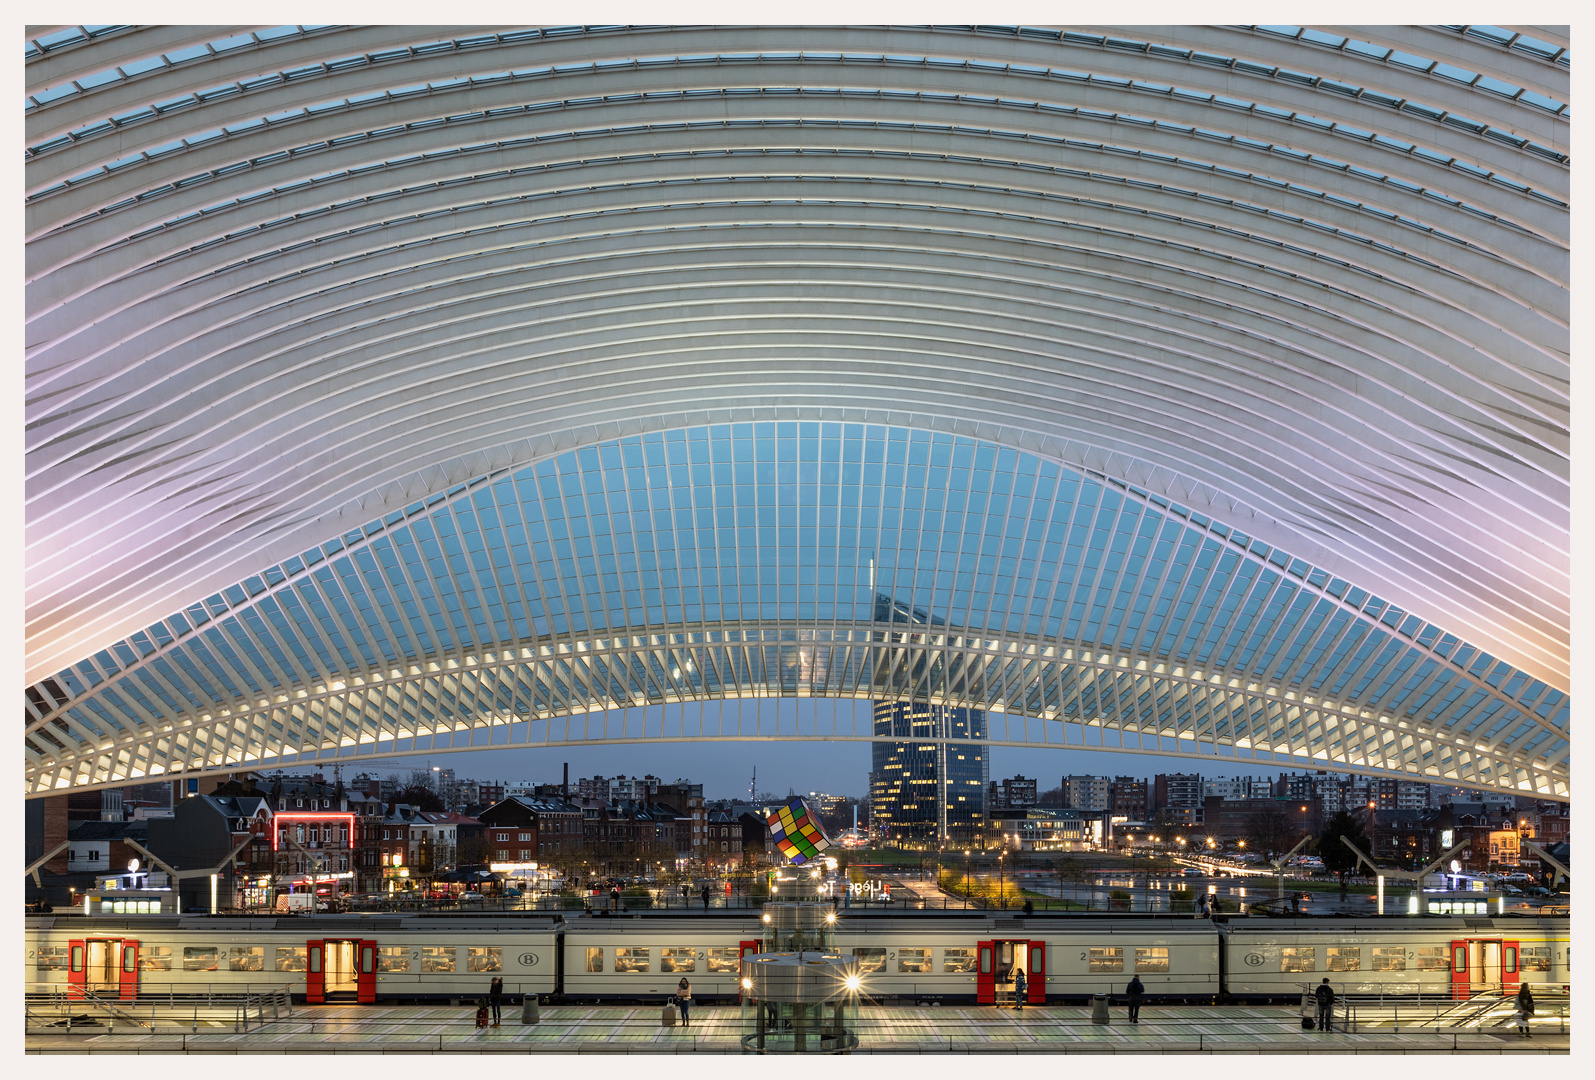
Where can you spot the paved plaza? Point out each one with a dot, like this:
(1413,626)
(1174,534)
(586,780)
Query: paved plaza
(584,1029)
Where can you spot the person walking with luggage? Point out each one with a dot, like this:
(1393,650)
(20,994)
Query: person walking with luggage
(1325,996)
(495,997)
(684,1000)
(1132,998)
(1525,1009)
(1019,987)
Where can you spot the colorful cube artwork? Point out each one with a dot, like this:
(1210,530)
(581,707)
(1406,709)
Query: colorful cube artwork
(798,832)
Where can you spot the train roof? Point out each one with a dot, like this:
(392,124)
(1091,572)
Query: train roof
(310,926)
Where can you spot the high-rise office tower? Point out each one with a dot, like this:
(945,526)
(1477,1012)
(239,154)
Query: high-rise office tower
(926,790)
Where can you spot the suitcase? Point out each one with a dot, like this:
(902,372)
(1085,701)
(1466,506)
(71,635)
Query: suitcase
(668,1016)
(1307,1023)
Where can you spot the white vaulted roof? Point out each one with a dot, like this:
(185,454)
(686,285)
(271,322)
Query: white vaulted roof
(1298,294)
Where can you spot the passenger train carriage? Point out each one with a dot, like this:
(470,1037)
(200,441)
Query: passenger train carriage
(925,957)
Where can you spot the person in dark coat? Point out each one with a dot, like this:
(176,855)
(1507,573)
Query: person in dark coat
(1325,996)
(1525,1009)
(1132,998)
(495,997)
(1019,988)
(614,898)
(706,898)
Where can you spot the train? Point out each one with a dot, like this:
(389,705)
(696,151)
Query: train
(953,957)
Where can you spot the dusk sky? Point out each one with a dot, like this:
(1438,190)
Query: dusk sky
(725,768)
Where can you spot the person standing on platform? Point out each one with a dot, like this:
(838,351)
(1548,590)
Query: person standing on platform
(614,899)
(1132,998)
(706,898)
(684,999)
(1325,996)
(1525,1009)
(495,997)
(1019,987)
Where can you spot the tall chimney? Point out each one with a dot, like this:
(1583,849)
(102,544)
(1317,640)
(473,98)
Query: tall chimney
(566,783)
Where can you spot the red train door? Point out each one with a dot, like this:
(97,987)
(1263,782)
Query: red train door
(1459,970)
(315,977)
(366,974)
(1509,967)
(128,983)
(986,973)
(746,949)
(77,968)
(1036,987)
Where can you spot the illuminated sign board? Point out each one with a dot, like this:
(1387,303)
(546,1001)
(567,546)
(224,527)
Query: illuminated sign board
(304,816)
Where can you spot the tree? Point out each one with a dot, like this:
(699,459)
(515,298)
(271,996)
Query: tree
(1269,830)
(1337,856)
(474,851)
(1050,797)
(419,792)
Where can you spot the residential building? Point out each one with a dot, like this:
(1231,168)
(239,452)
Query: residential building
(723,841)
(99,847)
(203,831)
(1127,797)
(1177,798)
(687,797)
(1087,792)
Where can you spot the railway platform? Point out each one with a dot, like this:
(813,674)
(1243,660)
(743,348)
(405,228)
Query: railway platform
(883,1029)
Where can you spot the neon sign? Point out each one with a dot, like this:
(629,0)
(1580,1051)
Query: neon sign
(348,820)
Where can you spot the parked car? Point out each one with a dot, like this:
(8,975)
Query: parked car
(471,897)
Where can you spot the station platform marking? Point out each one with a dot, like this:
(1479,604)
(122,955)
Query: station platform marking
(636,1029)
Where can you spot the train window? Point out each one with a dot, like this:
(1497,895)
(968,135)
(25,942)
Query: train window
(595,959)
(315,959)
(290,958)
(488,959)
(393,958)
(1345,957)
(1298,958)
(77,958)
(1535,958)
(1389,958)
(678,960)
(1038,955)
(438,958)
(199,958)
(1510,959)
(913,960)
(631,959)
(1459,958)
(870,959)
(247,958)
(130,958)
(957,960)
(724,961)
(1431,958)
(52,958)
(155,958)
(1109,959)
(1155,958)
(985,961)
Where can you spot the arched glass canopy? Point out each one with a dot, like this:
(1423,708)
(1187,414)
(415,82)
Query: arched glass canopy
(798,560)
(1224,294)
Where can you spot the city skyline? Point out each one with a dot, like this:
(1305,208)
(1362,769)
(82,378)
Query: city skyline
(836,767)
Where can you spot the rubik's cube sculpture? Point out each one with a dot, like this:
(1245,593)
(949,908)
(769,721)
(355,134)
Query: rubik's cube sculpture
(798,832)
